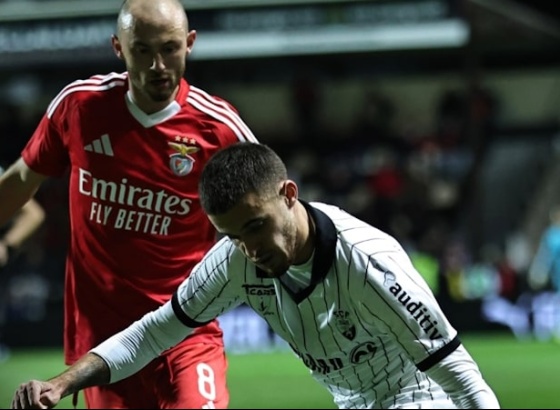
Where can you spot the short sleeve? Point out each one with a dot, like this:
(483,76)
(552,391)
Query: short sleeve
(45,153)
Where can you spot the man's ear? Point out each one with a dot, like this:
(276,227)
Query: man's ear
(191,37)
(290,192)
(117,47)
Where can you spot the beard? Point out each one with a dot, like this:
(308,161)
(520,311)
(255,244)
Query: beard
(159,95)
(292,244)
(144,84)
(286,249)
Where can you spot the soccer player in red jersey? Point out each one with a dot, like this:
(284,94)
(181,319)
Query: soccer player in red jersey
(134,144)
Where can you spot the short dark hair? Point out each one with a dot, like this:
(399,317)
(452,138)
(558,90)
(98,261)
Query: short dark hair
(239,169)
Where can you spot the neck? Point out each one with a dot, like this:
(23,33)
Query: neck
(306,235)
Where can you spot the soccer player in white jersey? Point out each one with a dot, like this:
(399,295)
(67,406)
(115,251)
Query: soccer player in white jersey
(343,294)
(134,144)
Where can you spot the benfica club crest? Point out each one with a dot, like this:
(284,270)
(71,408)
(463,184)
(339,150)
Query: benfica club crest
(344,325)
(180,162)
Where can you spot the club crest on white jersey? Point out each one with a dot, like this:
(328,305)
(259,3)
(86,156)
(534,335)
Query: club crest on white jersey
(344,325)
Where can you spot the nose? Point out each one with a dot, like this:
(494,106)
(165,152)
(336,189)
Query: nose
(157,63)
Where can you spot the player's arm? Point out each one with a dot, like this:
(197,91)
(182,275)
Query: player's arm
(118,357)
(130,350)
(197,301)
(396,292)
(17,186)
(24,225)
(460,377)
(205,294)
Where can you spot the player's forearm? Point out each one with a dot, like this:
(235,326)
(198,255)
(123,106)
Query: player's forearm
(133,348)
(460,377)
(17,186)
(480,399)
(10,204)
(90,370)
(24,225)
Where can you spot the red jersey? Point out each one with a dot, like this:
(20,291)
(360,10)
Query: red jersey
(137,227)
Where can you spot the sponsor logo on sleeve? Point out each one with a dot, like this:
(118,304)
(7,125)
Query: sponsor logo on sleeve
(415,308)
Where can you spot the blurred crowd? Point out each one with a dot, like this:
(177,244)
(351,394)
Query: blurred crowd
(413,186)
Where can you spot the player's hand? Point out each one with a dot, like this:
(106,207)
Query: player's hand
(35,394)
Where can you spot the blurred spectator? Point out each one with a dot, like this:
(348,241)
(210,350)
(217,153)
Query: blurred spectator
(387,184)
(510,287)
(306,100)
(483,108)
(455,261)
(544,278)
(534,312)
(374,126)
(451,119)
(374,123)
(545,267)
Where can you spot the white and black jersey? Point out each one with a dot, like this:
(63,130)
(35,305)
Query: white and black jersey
(366,324)
(358,315)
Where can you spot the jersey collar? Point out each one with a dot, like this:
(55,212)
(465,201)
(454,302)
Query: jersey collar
(150,120)
(325,249)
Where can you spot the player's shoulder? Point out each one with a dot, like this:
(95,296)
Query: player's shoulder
(226,260)
(95,86)
(204,97)
(219,112)
(355,233)
(342,220)
(221,253)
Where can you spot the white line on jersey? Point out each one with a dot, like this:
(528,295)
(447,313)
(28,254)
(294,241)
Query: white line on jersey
(221,111)
(225,106)
(95,83)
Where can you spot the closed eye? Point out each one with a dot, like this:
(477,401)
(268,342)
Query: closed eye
(254,226)
(251,228)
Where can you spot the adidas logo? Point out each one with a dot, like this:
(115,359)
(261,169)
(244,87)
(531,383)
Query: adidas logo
(101,146)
